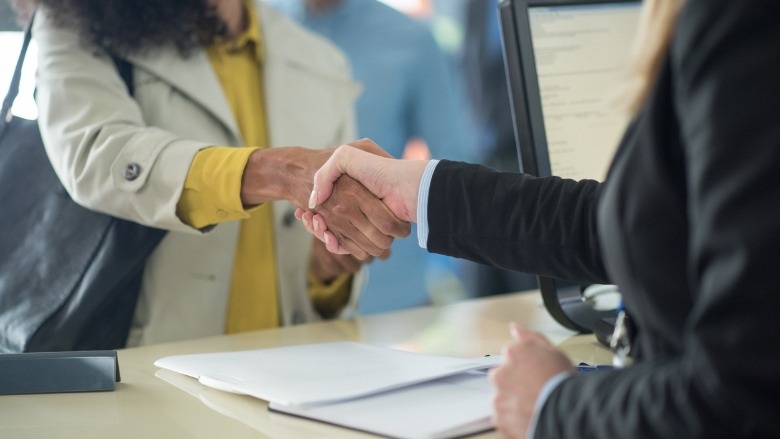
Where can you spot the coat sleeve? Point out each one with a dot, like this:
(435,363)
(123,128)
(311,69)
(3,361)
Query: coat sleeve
(514,221)
(96,138)
(724,382)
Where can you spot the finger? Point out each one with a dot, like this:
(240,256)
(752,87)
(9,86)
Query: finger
(318,223)
(366,213)
(380,220)
(358,250)
(517,330)
(338,243)
(306,220)
(496,374)
(352,240)
(332,243)
(345,215)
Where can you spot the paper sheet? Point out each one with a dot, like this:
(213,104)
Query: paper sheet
(312,374)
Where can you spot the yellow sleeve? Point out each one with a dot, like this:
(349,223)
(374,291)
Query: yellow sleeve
(329,299)
(212,190)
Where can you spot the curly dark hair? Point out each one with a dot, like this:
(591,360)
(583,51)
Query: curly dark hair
(131,26)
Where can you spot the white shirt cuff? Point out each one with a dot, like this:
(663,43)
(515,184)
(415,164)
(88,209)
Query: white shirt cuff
(547,389)
(422,204)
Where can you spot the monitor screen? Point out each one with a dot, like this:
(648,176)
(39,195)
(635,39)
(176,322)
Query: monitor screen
(581,53)
(566,61)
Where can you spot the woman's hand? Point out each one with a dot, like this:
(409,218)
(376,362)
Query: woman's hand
(530,360)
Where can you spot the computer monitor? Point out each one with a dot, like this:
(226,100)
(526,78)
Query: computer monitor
(564,61)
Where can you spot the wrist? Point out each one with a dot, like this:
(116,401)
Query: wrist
(413,188)
(285,173)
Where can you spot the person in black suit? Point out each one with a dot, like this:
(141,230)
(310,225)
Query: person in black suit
(686,224)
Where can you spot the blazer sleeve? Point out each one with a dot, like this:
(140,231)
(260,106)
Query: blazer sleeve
(514,221)
(724,381)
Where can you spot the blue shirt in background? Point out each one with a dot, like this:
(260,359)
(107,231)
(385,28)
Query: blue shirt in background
(409,91)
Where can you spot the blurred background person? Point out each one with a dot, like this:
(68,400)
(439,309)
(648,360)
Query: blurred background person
(411,103)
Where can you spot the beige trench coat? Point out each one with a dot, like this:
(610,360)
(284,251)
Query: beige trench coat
(130,157)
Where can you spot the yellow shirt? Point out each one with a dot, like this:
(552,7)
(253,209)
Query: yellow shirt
(212,191)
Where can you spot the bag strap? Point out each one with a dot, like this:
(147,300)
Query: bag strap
(125,70)
(123,66)
(13,89)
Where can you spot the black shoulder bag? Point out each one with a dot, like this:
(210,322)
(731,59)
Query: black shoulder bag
(69,276)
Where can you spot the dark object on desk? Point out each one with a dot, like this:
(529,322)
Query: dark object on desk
(69,276)
(568,307)
(56,372)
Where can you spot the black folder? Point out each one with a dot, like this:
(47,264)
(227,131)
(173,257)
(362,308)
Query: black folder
(56,372)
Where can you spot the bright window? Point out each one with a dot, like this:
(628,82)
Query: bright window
(10,44)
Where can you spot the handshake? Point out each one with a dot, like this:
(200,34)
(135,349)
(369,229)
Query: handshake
(362,199)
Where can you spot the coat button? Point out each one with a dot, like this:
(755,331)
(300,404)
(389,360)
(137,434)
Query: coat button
(132,171)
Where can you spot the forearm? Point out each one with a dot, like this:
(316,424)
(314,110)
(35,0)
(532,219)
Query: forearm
(538,225)
(285,173)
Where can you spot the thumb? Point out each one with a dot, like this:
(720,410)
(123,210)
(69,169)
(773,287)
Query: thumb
(517,330)
(327,175)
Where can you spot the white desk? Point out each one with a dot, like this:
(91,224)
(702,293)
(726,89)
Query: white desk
(145,405)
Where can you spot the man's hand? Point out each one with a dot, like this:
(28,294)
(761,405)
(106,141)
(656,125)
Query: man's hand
(529,361)
(359,219)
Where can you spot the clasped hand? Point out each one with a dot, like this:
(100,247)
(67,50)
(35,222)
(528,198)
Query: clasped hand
(356,218)
(395,182)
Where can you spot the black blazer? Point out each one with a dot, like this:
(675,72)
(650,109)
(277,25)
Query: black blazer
(688,226)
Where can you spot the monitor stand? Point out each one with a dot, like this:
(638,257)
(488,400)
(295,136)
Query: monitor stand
(567,306)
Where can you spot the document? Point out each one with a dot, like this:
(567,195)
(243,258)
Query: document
(380,390)
(448,407)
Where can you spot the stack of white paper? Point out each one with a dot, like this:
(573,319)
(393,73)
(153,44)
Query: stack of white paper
(381,390)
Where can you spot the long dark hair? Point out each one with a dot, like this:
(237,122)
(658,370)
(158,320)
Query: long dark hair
(131,26)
